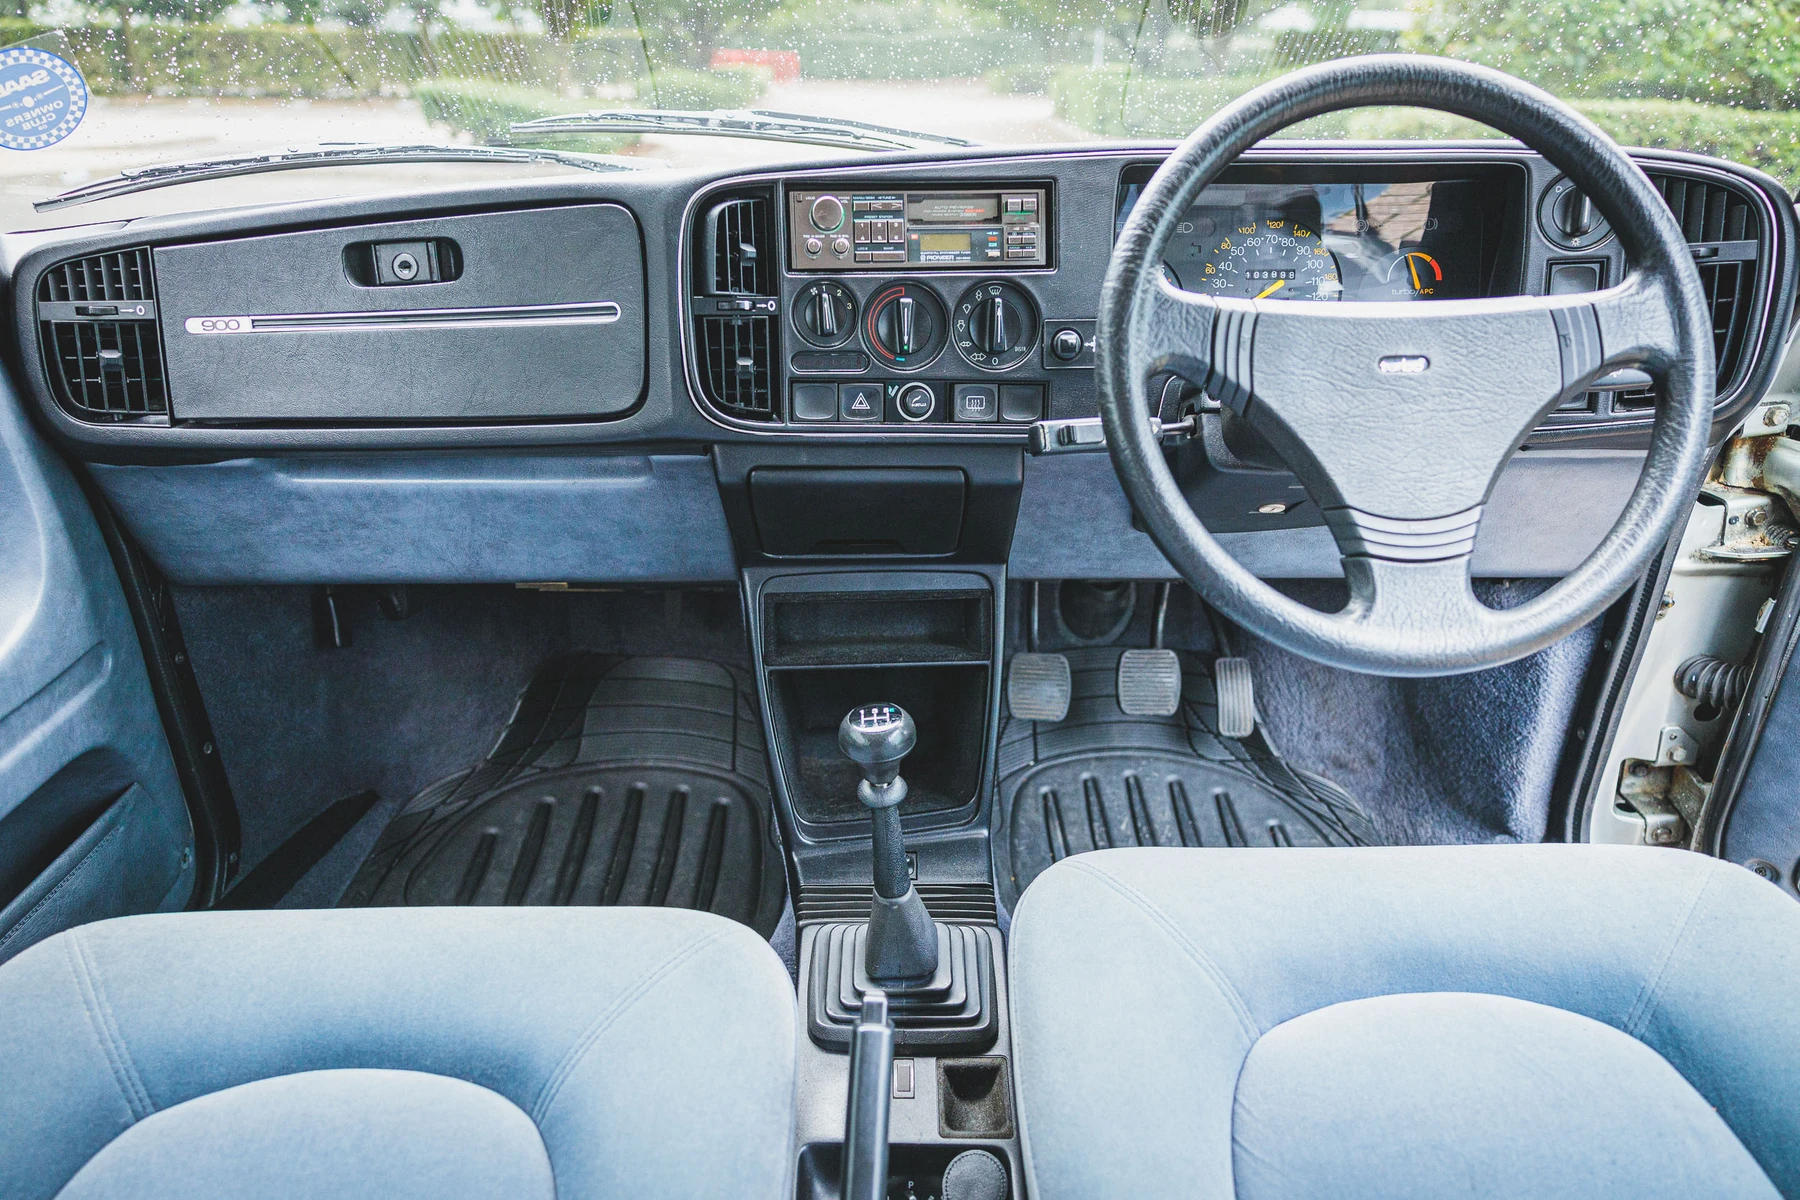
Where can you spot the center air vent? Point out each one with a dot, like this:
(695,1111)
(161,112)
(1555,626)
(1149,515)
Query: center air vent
(102,350)
(735,311)
(737,355)
(739,248)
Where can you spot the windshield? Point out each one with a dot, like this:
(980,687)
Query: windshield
(163,81)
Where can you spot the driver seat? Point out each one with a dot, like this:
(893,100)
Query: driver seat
(1530,1021)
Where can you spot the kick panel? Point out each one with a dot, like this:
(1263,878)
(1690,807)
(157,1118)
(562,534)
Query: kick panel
(452,319)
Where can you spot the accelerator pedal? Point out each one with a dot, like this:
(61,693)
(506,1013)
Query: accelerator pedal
(1038,687)
(1149,683)
(1235,687)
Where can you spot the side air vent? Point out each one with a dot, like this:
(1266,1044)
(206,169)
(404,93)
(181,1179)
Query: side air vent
(737,355)
(735,329)
(739,247)
(121,275)
(102,349)
(1721,224)
(1723,228)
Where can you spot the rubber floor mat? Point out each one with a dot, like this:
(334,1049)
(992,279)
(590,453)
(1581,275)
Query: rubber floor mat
(1100,778)
(637,781)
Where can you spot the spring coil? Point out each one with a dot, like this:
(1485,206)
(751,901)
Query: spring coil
(1712,680)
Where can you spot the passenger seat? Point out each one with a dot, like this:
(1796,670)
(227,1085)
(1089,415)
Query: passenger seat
(433,1052)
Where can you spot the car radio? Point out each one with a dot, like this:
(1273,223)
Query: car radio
(877,229)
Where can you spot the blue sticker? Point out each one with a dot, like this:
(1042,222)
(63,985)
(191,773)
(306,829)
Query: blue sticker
(42,98)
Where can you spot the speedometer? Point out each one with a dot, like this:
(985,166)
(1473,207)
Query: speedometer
(1263,258)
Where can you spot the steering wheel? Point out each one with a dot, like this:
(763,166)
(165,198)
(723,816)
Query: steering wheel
(1398,417)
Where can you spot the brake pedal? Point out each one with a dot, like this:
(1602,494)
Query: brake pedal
(1149,683)
(1038,687)
(1235,688)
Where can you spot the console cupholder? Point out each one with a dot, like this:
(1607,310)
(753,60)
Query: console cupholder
(974,1098)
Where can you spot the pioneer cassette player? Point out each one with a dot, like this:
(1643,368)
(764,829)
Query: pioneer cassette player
(868,228)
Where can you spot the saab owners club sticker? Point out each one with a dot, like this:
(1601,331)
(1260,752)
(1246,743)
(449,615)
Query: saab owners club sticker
(42,98)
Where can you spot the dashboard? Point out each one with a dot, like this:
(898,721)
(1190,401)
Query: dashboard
(643,375)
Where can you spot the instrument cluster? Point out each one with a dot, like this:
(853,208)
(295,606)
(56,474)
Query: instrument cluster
(1332,240)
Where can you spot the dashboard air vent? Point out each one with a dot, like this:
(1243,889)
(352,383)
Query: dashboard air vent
(737,357)
(101,347)
(739,247)
(120,275)
(1722,226)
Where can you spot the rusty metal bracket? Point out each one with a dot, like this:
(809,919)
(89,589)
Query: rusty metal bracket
(1668,798)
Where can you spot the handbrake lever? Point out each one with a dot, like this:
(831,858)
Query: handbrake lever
(865,1172)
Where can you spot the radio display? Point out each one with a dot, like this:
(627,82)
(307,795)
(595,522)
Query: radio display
(952,210)
(944,243)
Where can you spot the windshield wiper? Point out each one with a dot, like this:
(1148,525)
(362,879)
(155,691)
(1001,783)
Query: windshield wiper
(143,179)
(753,123)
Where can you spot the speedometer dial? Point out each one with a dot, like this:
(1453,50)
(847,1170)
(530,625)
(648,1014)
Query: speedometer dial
(1264,258)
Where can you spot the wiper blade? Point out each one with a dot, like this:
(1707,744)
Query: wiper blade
(757,123)
(143,179)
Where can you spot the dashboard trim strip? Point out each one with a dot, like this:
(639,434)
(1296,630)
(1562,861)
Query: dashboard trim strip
(603,312)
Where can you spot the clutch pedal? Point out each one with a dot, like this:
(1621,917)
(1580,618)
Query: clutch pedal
(1149,683)
(1038,687)
(1235,688)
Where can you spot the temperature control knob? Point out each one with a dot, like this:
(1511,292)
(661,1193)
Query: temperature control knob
(825,313)
(827,214)
(995,326)
(905,326)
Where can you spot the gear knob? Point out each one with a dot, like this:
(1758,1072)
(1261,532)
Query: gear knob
(876,737)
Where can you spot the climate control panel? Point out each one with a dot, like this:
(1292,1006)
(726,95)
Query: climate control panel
(867,228)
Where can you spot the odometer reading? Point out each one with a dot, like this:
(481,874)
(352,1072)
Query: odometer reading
(1272,258)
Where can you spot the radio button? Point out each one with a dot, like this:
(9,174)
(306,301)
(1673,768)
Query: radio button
(813,246)
(890,256)
(840,246)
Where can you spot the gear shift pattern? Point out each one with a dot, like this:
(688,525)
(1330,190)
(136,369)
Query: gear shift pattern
(903,940)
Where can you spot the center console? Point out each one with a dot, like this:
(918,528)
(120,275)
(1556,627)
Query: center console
(886,820)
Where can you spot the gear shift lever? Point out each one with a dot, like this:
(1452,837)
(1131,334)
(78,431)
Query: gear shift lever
(902,940)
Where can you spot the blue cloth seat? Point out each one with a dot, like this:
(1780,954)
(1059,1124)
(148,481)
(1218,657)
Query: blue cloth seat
(1520,1021)
(430,1053)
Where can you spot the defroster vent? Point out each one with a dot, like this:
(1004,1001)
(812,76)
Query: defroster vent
(102,349)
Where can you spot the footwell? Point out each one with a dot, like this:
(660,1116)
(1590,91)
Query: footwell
(1099,778)
(639,781)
